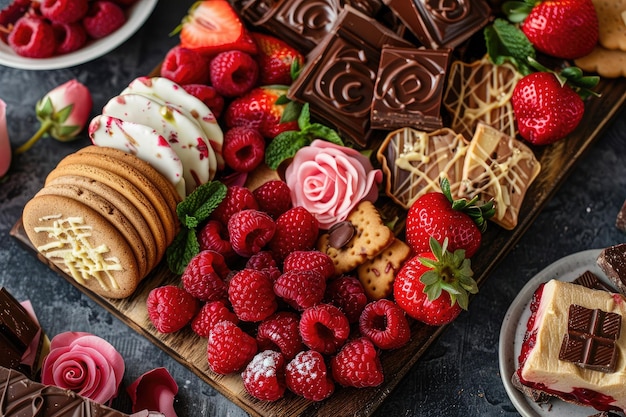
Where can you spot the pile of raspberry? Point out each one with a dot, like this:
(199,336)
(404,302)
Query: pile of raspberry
(271,306)
(47,28)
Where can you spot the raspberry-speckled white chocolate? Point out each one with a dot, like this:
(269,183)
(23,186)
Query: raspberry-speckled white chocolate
(142,141)
(172,93)
(183,134)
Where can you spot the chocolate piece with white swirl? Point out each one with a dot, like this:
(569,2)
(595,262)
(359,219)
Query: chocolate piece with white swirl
(409,88)
(338,80)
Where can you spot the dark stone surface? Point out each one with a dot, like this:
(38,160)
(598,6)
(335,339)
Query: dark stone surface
(457,376)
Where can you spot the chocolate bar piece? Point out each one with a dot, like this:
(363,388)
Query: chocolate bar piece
(441,27)
(612,261)
(591,338)
(338,79)
(21,397)
(590,280)
(302,24)
(18,330)
(409,88)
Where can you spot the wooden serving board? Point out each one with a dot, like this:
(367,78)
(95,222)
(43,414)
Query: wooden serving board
(557,161)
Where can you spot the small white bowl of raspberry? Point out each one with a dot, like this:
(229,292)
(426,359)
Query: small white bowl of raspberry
(54,34)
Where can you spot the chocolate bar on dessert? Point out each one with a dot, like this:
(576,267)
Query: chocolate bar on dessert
(339,76)
(441,27)
(302,24)
(574,346)
(409,88)
(22,397)
(612,261)
(21,337)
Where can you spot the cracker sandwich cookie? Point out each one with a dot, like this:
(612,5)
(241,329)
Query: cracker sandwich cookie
(104,218)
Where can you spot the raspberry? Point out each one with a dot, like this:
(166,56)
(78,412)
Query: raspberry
(208,96)
(233,73)
(64,11)
(170,308)
(69,37)
(209,315)
(237,198)
(274,197)
(347,293)
(185,66)
(32,37)
(103,18)
(306,375)
(264,261)
(296,229)
(280,332)
(229,348)
(264,377)
(13,11)
(244,148)
(249,231)
(214,236)
(357,365)
(324,328)
(310,260)
(385,324)
(300,289)
(204,276)
(251,295)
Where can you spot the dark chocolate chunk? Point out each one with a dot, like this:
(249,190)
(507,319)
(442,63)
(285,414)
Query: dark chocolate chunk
(590,280)
(612,261)
(340,234)
(21,397)
(409,88)
(590,339)
(620,221)
(441,27)
(338,79)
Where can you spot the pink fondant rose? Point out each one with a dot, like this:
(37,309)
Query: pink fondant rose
(85,364)
(330,180)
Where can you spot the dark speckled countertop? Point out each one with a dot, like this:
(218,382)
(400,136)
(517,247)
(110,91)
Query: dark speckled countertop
(457,376)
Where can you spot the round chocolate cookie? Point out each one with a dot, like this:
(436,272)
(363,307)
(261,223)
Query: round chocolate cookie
(82,243)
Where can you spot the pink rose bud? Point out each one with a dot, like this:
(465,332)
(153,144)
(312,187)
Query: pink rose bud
(5,144)
(84,363)
(330,180)
(154,391)
(63,113)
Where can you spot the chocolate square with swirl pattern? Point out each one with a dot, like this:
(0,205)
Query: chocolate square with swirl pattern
(338,79)
(409,88)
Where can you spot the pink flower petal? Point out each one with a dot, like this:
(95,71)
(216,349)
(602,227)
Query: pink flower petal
(154,391)
(5,144)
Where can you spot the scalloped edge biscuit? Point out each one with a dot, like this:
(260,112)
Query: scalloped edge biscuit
(377,274)
(611,23)
(607,63)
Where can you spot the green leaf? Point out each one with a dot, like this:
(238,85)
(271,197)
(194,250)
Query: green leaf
(282,99)
(199,205)
(506,42)
(319,131)
(291,112)
(284,146)
(45,109)
(62,115)
(304,120)
(184,247)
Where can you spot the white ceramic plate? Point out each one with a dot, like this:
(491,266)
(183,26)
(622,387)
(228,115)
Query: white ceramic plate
(136,16)
(514,326)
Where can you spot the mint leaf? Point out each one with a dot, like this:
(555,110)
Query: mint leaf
(304,120)
(319,131)
(284,146)
(184,247)
(199,205)
(291,112)
(506,42)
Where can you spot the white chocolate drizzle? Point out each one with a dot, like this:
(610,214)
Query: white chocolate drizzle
(72,247)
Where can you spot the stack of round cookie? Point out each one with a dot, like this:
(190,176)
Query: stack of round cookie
(105,217)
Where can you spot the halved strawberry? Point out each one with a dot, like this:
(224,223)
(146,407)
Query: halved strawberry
(213,26)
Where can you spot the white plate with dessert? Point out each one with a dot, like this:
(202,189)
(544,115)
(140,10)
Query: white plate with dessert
(136,15)
(514,326)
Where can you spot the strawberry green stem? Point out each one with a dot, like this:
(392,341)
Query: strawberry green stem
(43,129)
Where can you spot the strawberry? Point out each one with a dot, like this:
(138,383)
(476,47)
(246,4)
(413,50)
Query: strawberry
(433,286)
(437,215)
(213,26)
(278,62)
(259,109)
(546,110)
(565,29)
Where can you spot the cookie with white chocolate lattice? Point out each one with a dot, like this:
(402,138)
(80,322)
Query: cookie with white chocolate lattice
(499,167)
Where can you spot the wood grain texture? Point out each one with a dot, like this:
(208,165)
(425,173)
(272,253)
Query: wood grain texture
(557,161)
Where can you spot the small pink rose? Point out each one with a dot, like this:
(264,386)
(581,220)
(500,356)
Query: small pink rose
(84,363)
(330,180)
(154,391)
(5,144)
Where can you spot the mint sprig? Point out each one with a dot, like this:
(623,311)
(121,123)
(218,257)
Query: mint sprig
(191,212)
(507,43)
(286,144)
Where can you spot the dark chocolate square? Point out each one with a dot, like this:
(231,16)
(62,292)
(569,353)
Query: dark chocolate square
(409,88)
(442,23)
(338,79)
